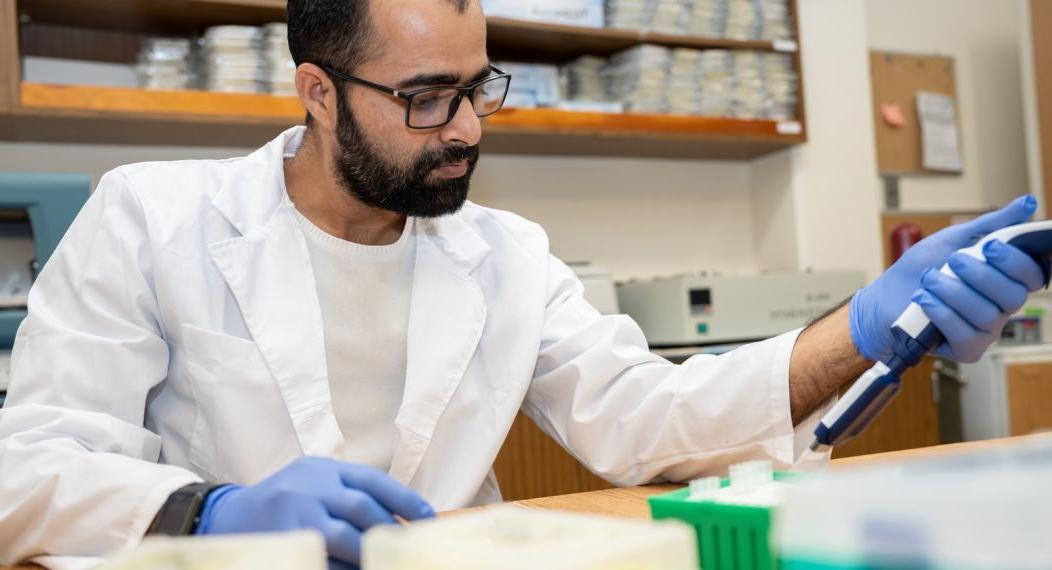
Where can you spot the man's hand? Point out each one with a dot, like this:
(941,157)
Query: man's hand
(338,499)
(969,312)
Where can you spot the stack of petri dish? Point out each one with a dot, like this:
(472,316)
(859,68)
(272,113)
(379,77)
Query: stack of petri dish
(684,82)
(638,77)
(164,64)
(743,20)
(230,60)
(749,88)
(630,14)
(670,17)
(280,70)
(583,79)
(707,18)
(775,23)
(716,82)
(782,84)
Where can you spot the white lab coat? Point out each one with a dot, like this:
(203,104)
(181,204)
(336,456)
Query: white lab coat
(176,336)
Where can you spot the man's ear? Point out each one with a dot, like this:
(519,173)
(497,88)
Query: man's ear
(318,94)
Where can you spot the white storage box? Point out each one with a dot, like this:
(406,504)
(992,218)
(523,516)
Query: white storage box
(571,12)
(513,538)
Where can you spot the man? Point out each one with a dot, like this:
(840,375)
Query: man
(326,335)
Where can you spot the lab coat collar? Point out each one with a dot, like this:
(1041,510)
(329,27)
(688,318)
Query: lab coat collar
(268,270)
(251,198)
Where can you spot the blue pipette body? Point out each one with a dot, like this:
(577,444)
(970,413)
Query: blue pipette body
(915,336)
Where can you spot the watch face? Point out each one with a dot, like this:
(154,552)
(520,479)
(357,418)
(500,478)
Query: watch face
(179,514)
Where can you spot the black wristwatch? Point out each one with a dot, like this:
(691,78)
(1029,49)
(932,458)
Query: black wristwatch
(181,513)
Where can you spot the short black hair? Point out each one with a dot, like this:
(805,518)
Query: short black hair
(336,33)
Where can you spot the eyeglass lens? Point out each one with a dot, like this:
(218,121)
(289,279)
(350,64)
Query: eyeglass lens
(434,108)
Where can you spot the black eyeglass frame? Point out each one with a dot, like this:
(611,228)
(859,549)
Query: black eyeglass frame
(408,96)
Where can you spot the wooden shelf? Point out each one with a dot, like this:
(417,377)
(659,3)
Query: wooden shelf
(541,41)
(200,117)
(534,41)
(42,98)
(53,113)
(153,16)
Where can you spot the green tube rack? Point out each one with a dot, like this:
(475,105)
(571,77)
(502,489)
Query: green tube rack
(730,537)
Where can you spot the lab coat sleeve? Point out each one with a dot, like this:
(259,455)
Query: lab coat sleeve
(78,471)
(633,417)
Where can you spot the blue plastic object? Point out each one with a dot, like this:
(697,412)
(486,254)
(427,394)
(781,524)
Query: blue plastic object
(914,335)
(52,202)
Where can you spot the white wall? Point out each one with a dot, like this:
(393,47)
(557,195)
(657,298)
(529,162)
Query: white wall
(1031,114)
(817,207)
(983,37)
(637,217)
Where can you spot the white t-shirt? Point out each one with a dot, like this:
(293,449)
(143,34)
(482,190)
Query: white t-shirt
(364,293)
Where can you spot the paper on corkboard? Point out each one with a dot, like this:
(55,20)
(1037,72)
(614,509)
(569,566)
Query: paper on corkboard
(896,79)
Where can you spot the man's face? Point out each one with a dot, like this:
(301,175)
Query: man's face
(380,160)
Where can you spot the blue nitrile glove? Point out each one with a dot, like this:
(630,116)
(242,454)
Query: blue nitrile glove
(340,500)
(969,312)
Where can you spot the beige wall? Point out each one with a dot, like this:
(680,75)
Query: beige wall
(983,37)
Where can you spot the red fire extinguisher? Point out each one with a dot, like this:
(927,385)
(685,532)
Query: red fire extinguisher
(903,236)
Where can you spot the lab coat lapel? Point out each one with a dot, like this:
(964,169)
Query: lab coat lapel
(446,317)
(268,271)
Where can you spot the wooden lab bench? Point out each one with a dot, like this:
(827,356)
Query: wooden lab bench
(632,502)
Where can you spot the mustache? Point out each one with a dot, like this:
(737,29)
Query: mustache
(448,155)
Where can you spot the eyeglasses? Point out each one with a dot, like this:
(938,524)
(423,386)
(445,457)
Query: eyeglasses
(434,107)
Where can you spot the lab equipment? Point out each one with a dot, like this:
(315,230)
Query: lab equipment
(49,202)
(302,550)
(513,538)
(914,336)
(709,309)
(339,499)
(1022,330)
(1004,394)
(599,289)
(986,509)
(731,516)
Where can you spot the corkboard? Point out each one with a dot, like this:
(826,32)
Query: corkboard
(896,78)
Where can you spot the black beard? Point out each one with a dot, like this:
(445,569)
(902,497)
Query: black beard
(369,177)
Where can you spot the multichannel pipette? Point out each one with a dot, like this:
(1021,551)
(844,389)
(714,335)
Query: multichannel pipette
(915,336)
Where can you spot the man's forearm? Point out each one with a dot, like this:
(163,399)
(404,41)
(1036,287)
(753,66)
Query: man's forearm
(824,359)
